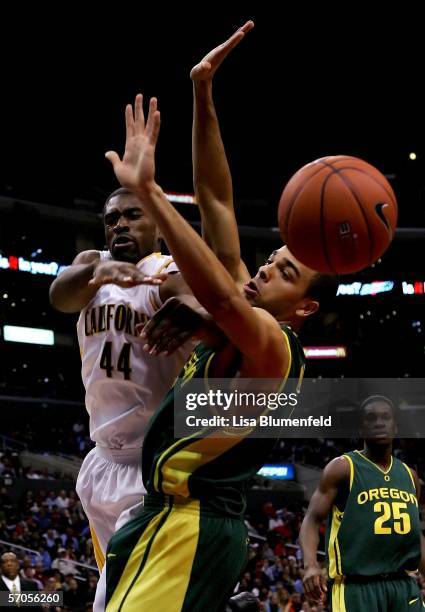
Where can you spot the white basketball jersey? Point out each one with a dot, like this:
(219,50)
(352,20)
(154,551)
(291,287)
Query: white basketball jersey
(123,383)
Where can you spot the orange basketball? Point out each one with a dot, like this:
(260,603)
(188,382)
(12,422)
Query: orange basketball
(338,214)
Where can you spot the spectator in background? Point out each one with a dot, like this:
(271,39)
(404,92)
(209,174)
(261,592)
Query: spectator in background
(63,563)
(10,580)
(62,500)
(29,574)
(50,538)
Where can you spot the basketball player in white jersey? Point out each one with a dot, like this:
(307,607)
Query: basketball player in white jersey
(124,384)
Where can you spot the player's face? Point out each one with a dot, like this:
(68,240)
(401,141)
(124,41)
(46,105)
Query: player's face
(378,424)
(280,287)
(130,233)
(9,565)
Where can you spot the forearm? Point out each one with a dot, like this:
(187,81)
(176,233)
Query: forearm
(212,180)
(309,541)
(210,283)
(211,171)
(70,292)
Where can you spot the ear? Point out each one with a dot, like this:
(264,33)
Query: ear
(307,308)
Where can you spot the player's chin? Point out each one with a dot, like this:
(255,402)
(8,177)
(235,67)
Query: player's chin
(128,255)
(380,439)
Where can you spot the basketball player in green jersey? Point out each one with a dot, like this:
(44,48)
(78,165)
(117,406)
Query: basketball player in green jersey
(373,537)
(186,550)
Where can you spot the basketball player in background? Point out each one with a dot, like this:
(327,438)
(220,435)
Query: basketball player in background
(374,538)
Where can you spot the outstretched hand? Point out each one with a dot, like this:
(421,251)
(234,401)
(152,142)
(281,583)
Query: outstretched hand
(136,170)
(123,274)
(171,326)
(205,70)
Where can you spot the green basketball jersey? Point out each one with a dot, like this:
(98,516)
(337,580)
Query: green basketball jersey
(378,532)
(212,469)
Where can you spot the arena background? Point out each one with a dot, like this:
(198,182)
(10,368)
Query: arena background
(303,85)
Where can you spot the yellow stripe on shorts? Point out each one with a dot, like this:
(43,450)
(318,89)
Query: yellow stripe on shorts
(98,552)
(338,597)
(133,564)
(164,579)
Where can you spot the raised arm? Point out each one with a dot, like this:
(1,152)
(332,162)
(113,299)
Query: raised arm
(335,474)
(211,173)
(254,332)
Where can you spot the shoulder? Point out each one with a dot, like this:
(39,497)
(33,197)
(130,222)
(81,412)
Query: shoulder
(338,470)
(155,263)
(413,475)
(275,357)
(86,257)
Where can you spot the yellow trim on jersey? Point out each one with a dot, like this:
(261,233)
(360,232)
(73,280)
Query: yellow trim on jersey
(171,555)
(350,461)
(300,379)
(155,254)
(338,597)
(177,469)
(288,369)
(162,458)
(410,474)
(97,549)
(164,266)
(207,368)
(374,464)
(133,563)
(153,302)
(334,554)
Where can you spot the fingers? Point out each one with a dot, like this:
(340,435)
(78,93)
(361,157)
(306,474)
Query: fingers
(154,121)
(113,157)
(167,330)
(126,280)
(315,588)
(207,67)
(139,117)
(246,27)
(129,122)
(170,342)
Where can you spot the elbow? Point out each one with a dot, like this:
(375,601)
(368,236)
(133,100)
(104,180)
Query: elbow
(60,302)
(53,297)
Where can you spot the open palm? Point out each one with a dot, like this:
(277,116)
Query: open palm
(136,170)
(205,70)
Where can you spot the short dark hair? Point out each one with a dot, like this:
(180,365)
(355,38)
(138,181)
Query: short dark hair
(117,192)
(323,288)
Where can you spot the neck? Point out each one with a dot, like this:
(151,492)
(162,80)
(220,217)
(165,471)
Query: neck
(380,454)
(294,324)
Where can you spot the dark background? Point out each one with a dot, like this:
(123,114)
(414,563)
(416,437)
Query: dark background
(308,81)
